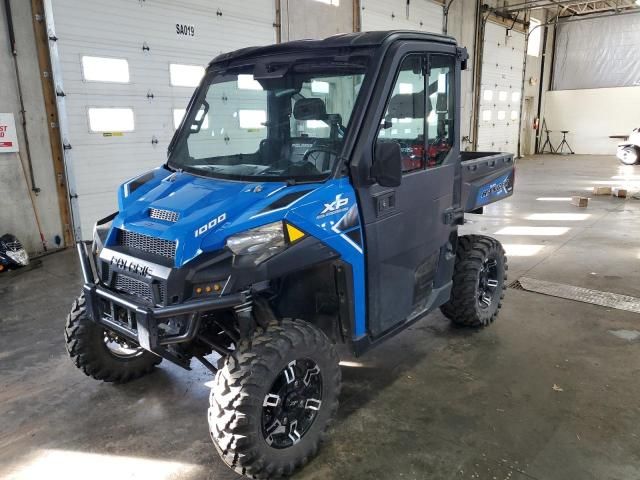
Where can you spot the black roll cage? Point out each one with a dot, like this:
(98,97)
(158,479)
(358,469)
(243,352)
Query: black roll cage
(272,60)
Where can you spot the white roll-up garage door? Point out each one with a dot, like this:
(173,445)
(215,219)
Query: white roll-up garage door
(422,15)
(499,113)
(124,71)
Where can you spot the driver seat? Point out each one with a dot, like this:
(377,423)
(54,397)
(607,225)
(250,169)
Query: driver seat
(313,109)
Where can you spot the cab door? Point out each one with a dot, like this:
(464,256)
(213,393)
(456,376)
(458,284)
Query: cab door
(408,229)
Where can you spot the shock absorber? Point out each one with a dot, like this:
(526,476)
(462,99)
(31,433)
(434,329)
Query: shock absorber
(244,314)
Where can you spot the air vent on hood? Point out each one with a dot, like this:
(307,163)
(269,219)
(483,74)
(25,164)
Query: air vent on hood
(286,200)
(166,215)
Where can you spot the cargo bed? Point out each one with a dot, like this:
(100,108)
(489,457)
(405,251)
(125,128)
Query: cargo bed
(486,178)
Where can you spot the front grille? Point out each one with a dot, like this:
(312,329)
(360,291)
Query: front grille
(166,215)
(13,246)
(138,288)
(138,241)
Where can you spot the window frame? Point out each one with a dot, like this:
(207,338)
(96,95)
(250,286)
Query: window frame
(451,99)
(204,72)
(107,82)
(118,130)
(426,65)
(535,25)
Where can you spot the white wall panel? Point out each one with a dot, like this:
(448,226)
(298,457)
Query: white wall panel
(502,64)
(144,33)
(591,116)
(423,15)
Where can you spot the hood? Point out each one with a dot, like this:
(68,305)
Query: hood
(199,213)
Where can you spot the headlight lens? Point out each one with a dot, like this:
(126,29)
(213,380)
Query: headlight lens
(18,256)
(262,242)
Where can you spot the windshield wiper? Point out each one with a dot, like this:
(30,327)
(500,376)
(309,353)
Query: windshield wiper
(293,181)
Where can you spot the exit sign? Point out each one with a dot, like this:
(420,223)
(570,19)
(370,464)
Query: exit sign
(8,137)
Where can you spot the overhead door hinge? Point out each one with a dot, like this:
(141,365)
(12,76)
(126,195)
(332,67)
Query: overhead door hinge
(463,56)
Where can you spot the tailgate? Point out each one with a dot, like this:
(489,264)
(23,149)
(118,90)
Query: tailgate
(486,178)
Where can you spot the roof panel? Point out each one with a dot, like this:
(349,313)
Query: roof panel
(345,40)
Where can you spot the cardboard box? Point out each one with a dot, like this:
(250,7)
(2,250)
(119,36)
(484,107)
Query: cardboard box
(619,192)
(580,201)
(602,190)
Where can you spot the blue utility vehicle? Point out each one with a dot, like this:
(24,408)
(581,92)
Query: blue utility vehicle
(311,197)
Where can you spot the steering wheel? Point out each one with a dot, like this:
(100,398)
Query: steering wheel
(316,150)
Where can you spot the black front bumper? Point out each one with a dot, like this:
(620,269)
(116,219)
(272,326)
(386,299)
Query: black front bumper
(138,322)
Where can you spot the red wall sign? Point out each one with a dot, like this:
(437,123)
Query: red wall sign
(8,137)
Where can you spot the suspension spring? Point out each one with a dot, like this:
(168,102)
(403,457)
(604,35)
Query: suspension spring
(244,314)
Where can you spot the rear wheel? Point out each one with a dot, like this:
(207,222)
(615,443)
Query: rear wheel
(629,155)
(478,282)
(102,354)
(273,400)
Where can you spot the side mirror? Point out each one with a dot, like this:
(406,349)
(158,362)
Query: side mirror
(387,164)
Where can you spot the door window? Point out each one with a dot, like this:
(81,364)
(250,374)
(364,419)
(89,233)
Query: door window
(441,105)
(404,120)
(410,112)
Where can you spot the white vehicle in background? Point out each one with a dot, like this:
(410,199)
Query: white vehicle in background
(629,150)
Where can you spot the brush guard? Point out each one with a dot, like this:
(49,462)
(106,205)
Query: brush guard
(143,324)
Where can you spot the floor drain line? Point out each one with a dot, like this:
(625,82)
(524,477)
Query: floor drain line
(579,294)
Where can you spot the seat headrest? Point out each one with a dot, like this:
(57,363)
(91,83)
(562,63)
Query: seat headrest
(408,105)
(309,109)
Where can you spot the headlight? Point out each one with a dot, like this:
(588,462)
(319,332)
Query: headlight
(261,243)
(18,256)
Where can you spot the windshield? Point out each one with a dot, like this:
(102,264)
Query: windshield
(289,126)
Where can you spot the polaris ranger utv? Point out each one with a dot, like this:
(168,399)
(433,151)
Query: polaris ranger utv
(311,197)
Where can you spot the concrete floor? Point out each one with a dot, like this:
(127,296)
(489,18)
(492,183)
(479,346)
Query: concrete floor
(434,402)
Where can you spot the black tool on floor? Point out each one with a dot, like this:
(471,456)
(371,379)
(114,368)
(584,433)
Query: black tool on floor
(560,148)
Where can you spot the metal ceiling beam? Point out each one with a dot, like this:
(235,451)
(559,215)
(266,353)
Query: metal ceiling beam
(571,7)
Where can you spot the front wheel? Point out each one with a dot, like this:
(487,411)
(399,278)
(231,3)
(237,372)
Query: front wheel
(478,282)
(629,155)
(101,354)
(274,398)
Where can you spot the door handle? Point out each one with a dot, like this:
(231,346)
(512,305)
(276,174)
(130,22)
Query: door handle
(385,202)
(453,216)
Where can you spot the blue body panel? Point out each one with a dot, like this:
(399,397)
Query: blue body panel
(495,190)
(211,210)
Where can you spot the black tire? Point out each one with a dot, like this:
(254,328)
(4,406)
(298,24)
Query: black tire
(85,342)
(239,395)
(468,306)
(629,155)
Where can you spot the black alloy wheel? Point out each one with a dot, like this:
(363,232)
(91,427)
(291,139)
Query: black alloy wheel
(274,398)
(102,354)
(292,404)
(479,280)
(488,282)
